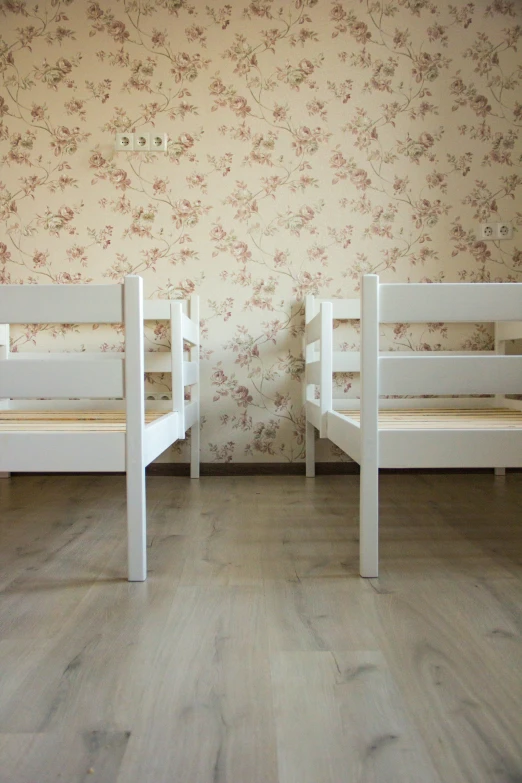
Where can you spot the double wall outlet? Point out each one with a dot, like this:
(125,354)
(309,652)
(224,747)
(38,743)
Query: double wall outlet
(496,231)
(126,142)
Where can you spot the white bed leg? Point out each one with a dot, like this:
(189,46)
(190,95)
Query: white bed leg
(194,450)
(135,436)
(310,450)
(500,471)
(136,522)
(369,497)
(195,430)
(369,521)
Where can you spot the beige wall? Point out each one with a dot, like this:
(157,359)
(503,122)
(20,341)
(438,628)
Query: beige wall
(310,141)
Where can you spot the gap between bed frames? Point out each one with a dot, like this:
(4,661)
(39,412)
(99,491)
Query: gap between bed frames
(438,431)
(76,412)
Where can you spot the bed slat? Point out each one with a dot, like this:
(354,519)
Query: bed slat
(450,303)
(436,374)
(31,379)
(61,304)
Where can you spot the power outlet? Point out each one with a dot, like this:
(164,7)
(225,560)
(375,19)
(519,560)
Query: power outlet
(488,230)
(142,141)
(158,142)
(504,231)
(124,141)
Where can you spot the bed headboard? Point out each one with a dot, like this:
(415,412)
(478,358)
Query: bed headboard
(439,373)
(320,364)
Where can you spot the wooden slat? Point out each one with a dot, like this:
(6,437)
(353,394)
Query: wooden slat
(68,421)
(55,378)
(63,304)
(451,303)
(434,374)
(429,418)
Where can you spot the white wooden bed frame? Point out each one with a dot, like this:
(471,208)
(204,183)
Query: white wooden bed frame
(368,440)
(98,382)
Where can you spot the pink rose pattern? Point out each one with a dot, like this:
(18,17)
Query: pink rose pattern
(309,142)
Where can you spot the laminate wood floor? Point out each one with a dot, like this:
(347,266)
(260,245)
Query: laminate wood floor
(254,653)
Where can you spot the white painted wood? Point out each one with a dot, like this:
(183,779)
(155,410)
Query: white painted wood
(314,372)
(309,390)
(158,361)
(508,330)
(135,440)
(313,413)
(346,361)
(55,378)
(450,448)
(310,449)
(346,434)
(326,345)
(101,452)
(61,304)
(190,330)
(342,309)
(350,361)
(340,404)
(500,348)
(435,374)
(369,479)
(176,341)
(159,435)
(192,411)
(4,355)
(313,329)
(191,414)
(83,405)
(190,373)
(451,303)
(157,309)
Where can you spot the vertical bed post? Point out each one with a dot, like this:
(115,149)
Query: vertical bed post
(195,394)
(178,382)
(369,481)
(4,354)
(309,357)
(326,360)
(135,436)
(500,348)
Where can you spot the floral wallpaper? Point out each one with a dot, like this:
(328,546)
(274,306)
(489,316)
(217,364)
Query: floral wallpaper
(309,141)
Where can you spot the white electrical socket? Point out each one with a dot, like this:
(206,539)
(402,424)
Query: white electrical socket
(496,231)
(158,142)
(124,141)
(488,230)
(504,231)
(142,141)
